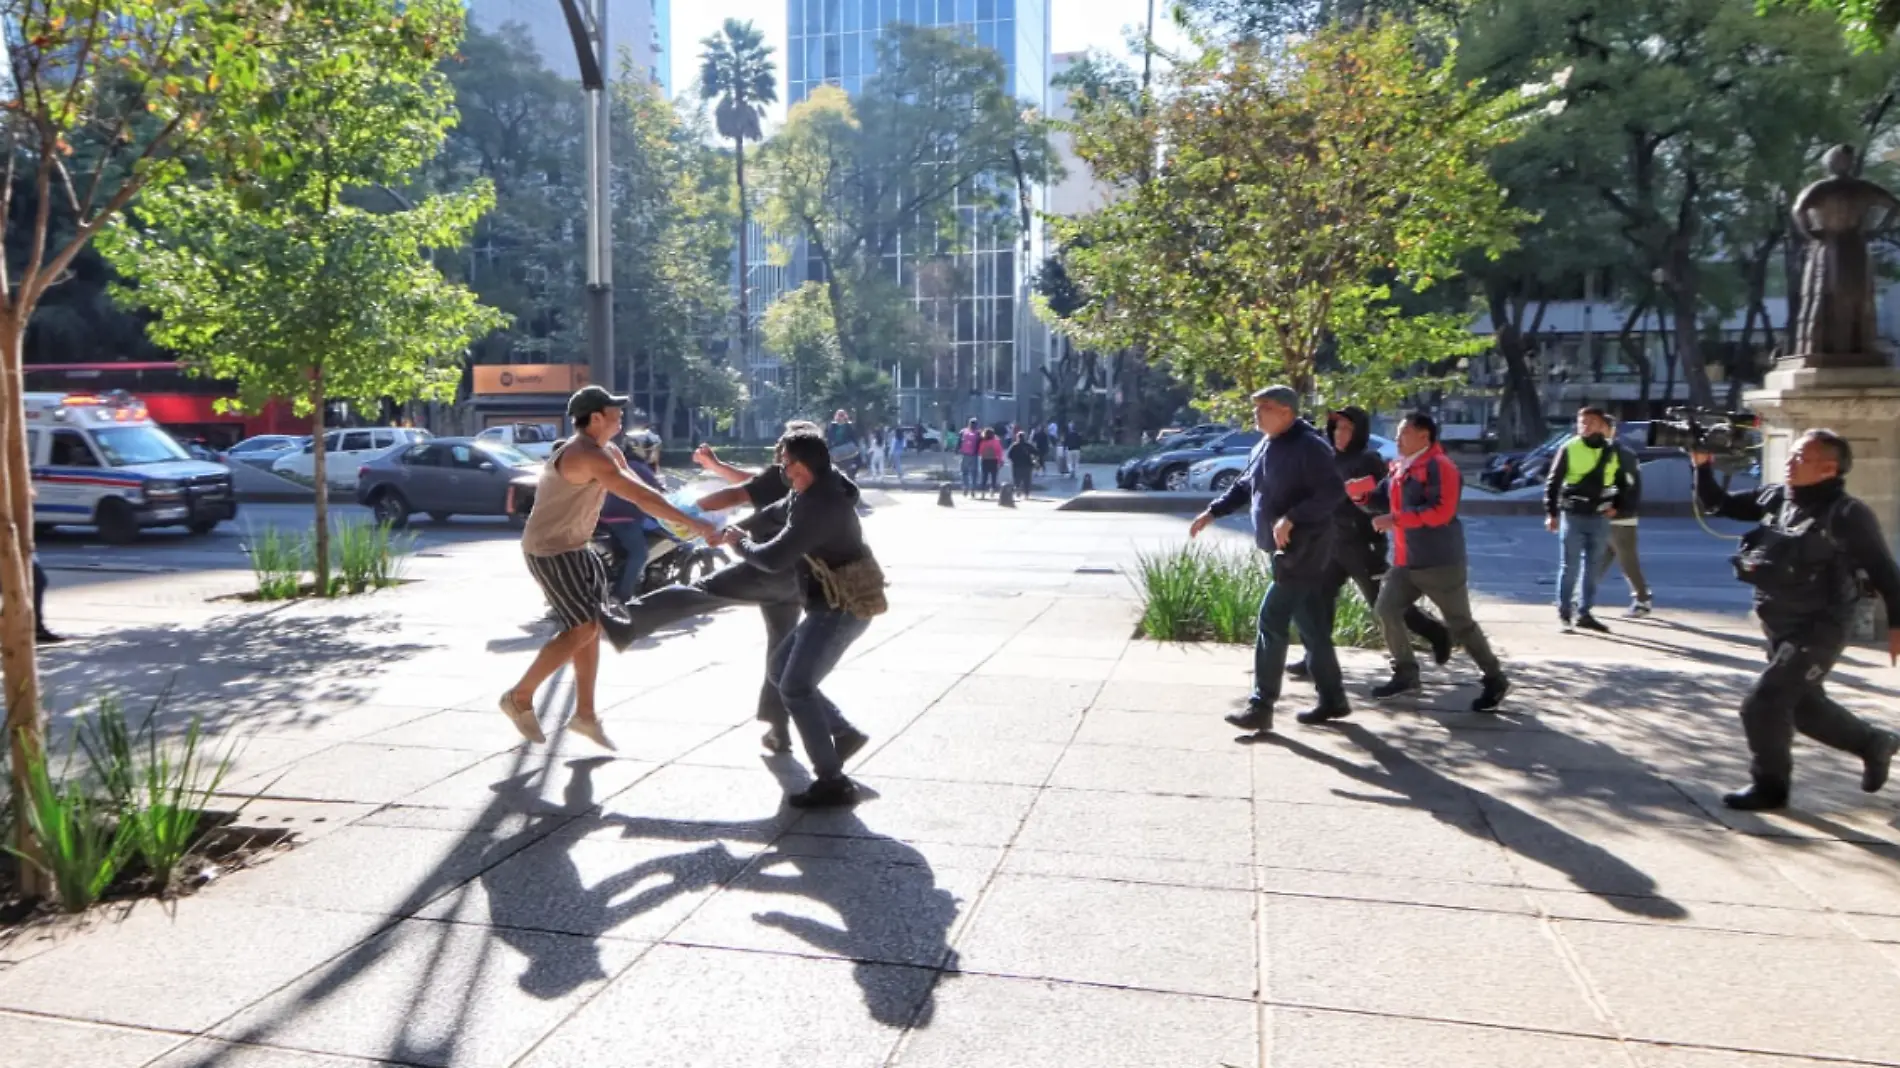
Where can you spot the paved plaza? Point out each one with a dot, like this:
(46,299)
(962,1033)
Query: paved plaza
(1067,857)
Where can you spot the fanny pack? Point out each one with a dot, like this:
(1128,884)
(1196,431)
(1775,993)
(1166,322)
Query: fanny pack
(856,587)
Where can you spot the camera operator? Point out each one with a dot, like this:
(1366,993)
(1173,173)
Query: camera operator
(1803,561)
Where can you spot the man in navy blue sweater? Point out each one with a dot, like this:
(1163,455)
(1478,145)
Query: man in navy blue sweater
(1293,489)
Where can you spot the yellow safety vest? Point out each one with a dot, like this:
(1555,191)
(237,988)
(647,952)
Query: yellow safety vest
(1580,461)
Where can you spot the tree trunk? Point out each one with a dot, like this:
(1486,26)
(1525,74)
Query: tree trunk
(321,549)
(1521,411)
(1695,371)
(26,730)
(1635,355)
(745,265)
(672,410)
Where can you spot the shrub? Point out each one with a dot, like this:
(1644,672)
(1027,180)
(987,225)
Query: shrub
(278,560)
(368,556)
(160,789)
(1195,592)
(81,845)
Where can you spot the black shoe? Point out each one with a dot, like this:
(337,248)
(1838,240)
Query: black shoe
(1493,695)
(1399,683)
(1441,649)
(1879,761)
(1586,621)
(1757,798)
(826,793)
(1324,714)
(1565,624)
(1257,718)
(849,742)
(47,637)
(1298,670)
(777,739)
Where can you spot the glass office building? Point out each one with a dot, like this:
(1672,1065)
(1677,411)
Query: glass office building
(992,346)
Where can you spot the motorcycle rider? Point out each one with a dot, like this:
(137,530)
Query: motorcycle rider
(622,519)
(1803,561)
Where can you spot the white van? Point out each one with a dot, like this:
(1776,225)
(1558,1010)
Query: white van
(100,461)
(345,451)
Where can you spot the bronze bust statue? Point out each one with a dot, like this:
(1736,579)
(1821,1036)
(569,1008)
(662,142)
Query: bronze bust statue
(1837,215)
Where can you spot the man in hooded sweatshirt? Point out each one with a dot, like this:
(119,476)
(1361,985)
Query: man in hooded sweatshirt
(1358,550)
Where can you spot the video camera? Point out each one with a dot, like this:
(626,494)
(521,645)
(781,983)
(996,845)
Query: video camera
(1728,434)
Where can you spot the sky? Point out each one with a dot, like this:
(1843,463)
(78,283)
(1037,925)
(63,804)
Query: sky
(1076,25)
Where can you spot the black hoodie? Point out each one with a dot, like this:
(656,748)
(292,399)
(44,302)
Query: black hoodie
(1358,543)
(821,522)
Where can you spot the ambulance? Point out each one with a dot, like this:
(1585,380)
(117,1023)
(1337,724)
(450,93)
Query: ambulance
(99,461)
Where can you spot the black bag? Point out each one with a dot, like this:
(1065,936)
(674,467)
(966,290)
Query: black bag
(1804,564)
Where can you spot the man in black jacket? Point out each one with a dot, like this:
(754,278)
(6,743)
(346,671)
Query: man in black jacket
(1803,562)
(1294,492)
(1358,550)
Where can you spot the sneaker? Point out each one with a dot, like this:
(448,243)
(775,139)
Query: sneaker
(1586,621)
(1298,670)
(47,637)
(1492,695)
(777,739)
(1638,610)
(849,742)
(1879,761)
(1257,718)
(1400,682)
(1565,624)
(1757,798)
(838,792)
(1324,714)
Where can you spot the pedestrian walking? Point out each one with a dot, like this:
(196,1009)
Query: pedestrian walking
(1579,502)
(1072,447)
(897,454)
(990,452)
(1359,551)
(1022,464)
(822,541)
(1629,502)
(574,483)
(969,442)
(1042,443)
(1292,490)
(1806,560)
(1417,505)
(877,452)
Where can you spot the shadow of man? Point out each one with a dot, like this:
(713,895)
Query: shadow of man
(1588,866)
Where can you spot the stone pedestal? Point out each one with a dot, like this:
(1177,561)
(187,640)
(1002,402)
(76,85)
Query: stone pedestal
(1862,404)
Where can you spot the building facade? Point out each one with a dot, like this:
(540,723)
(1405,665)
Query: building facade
(990,348)
(638,25)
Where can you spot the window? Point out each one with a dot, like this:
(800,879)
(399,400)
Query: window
(356,441)
(33,446)
(851,14)
(71,450)
(385,439)
(851,55)
(422,456)
(795,53)
(814,17)
(463,456)
(129,446)
(833,59)
(868,15)
(986,10)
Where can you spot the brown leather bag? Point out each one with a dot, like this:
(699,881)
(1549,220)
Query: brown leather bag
(856,587)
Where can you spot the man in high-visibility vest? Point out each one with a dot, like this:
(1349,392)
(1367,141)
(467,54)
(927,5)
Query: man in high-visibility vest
(1579,502)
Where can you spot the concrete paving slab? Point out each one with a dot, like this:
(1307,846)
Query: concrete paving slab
(1132,825)
(1429,963)
(370,774)
(213,1053)
(1734,991)
(1706,915)
(1648,1056)
(1845,876)
(184,971)
(984,1020)
(1396,890)
(382,871)
(1133,769)
(1178,939)
(736,804)
(885,850)
(1304,1038)
(430,993)
(478,732)
(674,1009)
(984,814)
(1380,840)
(1333,767)
(1186,696)
(1016,691)
(1195,732)
(535,781)
(39,1040)
(1000,723)
(947,755)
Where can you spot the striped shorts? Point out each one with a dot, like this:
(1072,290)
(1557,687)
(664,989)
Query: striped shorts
(575,584)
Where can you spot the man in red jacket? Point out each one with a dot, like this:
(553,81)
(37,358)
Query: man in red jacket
(1417,505)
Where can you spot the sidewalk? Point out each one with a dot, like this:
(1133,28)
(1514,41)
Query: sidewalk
(1069,859)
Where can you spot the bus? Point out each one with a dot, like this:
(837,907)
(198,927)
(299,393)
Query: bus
(183,404)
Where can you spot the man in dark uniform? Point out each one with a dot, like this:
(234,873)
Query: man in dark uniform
(1805,561)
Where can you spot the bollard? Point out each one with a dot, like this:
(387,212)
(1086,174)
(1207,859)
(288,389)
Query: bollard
(944,498)
(1088,483)
(1007,498)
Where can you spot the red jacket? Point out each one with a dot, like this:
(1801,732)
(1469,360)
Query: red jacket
(991,449)
(1424,501)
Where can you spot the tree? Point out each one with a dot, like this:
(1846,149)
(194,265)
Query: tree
(270,278)
(1299,195)
(736,67)
(799,328)
(102,102)
(1868,23)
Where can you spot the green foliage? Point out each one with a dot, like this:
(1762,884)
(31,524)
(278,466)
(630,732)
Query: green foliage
(370,556)
(800,329)
(1869,23)
(278,562)
(1298,195)
(81,846)
(160,790)
(1195,592)
(736,69)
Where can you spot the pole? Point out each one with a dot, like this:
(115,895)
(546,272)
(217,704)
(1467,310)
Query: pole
(600,240)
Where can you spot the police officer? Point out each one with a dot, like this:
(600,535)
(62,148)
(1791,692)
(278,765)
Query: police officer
(1803,561)
(1579,502)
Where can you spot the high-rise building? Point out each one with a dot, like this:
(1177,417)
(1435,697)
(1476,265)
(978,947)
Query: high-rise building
(995,345)
(631,24)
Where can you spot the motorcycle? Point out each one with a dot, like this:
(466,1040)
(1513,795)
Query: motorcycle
(673,557)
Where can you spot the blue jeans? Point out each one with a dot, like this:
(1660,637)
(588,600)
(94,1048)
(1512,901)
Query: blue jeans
(632,539)
(799,664)
(897,464)
(970,470)
(1585,542)
(1304,604)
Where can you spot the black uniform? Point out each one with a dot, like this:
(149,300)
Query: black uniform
(1359,552)
(1803,561)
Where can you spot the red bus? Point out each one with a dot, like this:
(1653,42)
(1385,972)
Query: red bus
(181,403)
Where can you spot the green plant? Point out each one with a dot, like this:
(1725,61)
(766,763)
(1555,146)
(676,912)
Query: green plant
(80,846)
(160,789)
(1354,625)
(369,556)
(1195,592)
(278,560)
(1170,584)
(1233,584)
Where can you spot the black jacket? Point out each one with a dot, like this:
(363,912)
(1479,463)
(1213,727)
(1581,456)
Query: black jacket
(1359,548)
(1853,525)
(1290,476)
(821,522)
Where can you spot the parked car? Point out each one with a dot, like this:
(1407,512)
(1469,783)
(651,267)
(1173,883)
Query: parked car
(264,449)
(1168,469)
(1187,439)
(444,477)
(1506,470)
(921,438)
(1217,474)
(534,439)
(345,452)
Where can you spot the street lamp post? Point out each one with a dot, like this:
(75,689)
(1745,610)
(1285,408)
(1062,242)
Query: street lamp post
(588,25)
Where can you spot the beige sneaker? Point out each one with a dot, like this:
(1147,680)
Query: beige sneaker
(522,718)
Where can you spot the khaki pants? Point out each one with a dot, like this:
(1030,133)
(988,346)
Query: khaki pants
(1623,554)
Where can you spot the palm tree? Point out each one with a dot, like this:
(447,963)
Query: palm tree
(736,66)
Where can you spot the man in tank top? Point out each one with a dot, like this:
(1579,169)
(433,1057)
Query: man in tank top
(574,484)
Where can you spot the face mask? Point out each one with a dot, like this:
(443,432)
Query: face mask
(1595,441)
